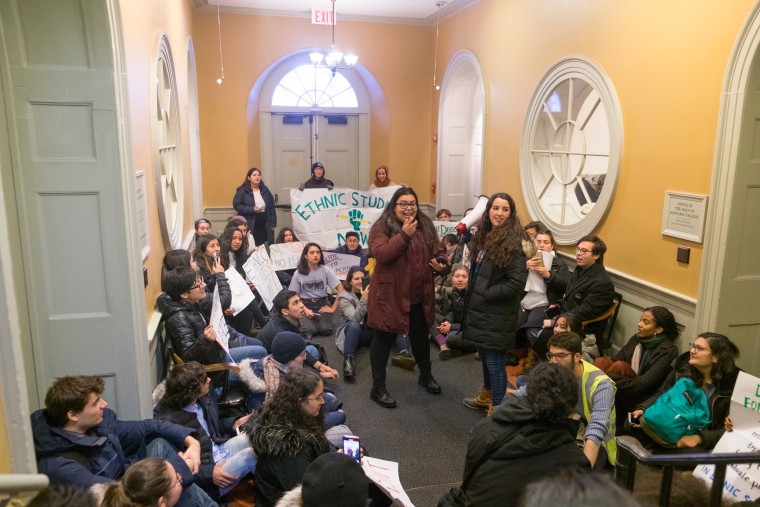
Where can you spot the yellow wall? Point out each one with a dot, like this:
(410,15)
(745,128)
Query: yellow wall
(400,117)
(667,61)
(142,23)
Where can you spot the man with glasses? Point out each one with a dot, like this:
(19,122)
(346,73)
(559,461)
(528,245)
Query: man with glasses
(590,291)
(596,399)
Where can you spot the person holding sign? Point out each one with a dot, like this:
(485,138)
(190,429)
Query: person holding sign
(233,254)
(353,246)
(402,295)
(311,281)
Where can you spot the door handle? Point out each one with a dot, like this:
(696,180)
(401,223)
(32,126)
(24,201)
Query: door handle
(276,198)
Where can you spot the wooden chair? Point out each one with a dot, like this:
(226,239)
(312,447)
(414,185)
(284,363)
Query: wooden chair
(606,322)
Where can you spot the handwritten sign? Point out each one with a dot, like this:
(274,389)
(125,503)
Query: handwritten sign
(219,324)
(385,475)
(242,296)
(286,255)
(340,263)
(444,228)
(260,272)
(742,482)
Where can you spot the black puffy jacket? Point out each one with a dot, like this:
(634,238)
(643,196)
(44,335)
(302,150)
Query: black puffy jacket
(493,303)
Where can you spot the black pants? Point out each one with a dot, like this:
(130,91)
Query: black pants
(384,341)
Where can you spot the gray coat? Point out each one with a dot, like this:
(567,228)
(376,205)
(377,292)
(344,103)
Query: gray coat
(351,310)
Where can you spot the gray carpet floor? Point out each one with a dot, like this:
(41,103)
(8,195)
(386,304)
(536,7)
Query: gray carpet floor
(426,434)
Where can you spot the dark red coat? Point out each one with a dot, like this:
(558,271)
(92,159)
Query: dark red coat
(397,258)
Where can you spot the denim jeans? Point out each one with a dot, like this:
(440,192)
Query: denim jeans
(356,336)
(242,460)
(494,364)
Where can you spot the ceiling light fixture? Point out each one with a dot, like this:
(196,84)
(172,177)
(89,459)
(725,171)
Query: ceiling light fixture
(333,59)
(221,59)
(438,4)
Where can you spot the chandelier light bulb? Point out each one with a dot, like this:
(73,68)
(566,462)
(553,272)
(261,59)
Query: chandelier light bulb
(219,80)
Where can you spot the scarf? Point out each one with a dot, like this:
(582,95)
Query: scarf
(385,183)
(643,351)
(272,373)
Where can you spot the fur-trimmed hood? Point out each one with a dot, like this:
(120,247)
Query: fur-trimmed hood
(279,439)
(291,498)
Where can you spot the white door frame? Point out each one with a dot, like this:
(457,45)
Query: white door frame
(462,58)
(735,88)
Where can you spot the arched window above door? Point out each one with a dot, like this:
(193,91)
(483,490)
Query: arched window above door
(310,86)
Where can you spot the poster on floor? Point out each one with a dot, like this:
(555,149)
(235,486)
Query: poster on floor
(742,482)
(385,475)
(325,216)
(259,270)
(286,255)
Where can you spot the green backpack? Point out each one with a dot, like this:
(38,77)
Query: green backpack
(681,411)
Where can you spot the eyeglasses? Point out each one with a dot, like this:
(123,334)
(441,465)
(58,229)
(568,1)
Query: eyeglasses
(406,205)
(198,285)
(560,355)
(583,251)
(179,480)
(699,348)
(319,397)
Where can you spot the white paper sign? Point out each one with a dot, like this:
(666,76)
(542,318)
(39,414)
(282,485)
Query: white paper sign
(340,263)
(241,293)
(385,475)
(444,228)
(286,255)
(219,324)
(260,272)
(325,216)
(742,481)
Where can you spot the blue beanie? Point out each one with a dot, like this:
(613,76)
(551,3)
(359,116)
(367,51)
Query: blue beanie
(286,346)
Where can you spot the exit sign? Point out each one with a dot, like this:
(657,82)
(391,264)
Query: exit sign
(321,17)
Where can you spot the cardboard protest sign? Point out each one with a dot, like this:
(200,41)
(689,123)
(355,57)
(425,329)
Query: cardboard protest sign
(340,263)
(385,475)
(742,481)
(219,324)
(242,296)
(444,228)
(260,272)
(286,255)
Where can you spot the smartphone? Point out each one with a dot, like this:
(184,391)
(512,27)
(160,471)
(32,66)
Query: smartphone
(632,420)
(365,282)
(213,260)
(552,312)
(351,447)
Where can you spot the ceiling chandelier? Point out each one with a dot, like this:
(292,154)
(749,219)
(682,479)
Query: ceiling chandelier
(334,59)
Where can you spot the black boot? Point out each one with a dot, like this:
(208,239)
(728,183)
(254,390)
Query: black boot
(381,396)
(348,367)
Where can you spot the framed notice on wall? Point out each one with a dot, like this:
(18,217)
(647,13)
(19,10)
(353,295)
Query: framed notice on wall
(683,216)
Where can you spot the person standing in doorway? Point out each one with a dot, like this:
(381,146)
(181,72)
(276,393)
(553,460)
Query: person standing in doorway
(255,202)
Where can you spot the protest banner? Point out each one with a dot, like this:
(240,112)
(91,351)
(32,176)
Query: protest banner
(742,483)
(241,293)
(219,324)
(385,475)
(286,255)
(444,228)
(260,272)
(325,216)
(340,263)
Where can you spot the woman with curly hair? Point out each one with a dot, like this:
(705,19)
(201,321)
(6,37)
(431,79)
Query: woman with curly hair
(287,435)
(150,482)
(402,294)
(531,437)
(497,280)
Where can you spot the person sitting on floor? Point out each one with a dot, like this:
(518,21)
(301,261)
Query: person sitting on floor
(529,437)
(77,440)
(353,247)
(447,330)
(643,364)
(150,481)
(353,332)
(189,403)
(311,281)
(331,479)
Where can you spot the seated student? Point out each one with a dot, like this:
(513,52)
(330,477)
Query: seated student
(564,322)
(317,179)
(710,364)
(202,226)
(575,488)
(352,332)
(443,215)
(311,282)
(150,481)
(233,247)
(287,434)
(353,247)
(289,309)
(65,495)
(643,364)
(188,402)
(331,479)
(447,330)
(597,399)
(206,257)
(193,339)
(530,437)
(79,441)
(239,222)
(286,235)
(546,283)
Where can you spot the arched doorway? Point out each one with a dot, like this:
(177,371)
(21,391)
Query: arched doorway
(460,128)
(730,271)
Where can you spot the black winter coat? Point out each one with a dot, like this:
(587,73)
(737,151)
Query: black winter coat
(243,203)
(493,303)
(589,293)
(284,452)
(719,402)
(558,280)
(531,450)
(631,391)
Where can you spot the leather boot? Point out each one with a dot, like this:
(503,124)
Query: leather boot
(481,401)
(348,367)
(381,396)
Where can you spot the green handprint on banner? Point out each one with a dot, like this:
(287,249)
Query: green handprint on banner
(355,218)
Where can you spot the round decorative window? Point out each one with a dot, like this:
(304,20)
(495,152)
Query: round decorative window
(167,167)
(571,149)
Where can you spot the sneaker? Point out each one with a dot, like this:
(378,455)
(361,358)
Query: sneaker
(444,354)
(404,360)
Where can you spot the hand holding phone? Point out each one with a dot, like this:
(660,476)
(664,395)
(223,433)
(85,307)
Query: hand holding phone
(213,260)
(365,283)
(634,419)
(351,447)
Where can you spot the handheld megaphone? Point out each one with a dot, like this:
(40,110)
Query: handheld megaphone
(474,217)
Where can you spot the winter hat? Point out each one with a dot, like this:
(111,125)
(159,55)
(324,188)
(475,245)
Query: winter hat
(286,346)
(336,480)
(314,166)
(240,217)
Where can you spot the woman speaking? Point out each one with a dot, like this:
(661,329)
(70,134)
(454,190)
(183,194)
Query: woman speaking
(402,296)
